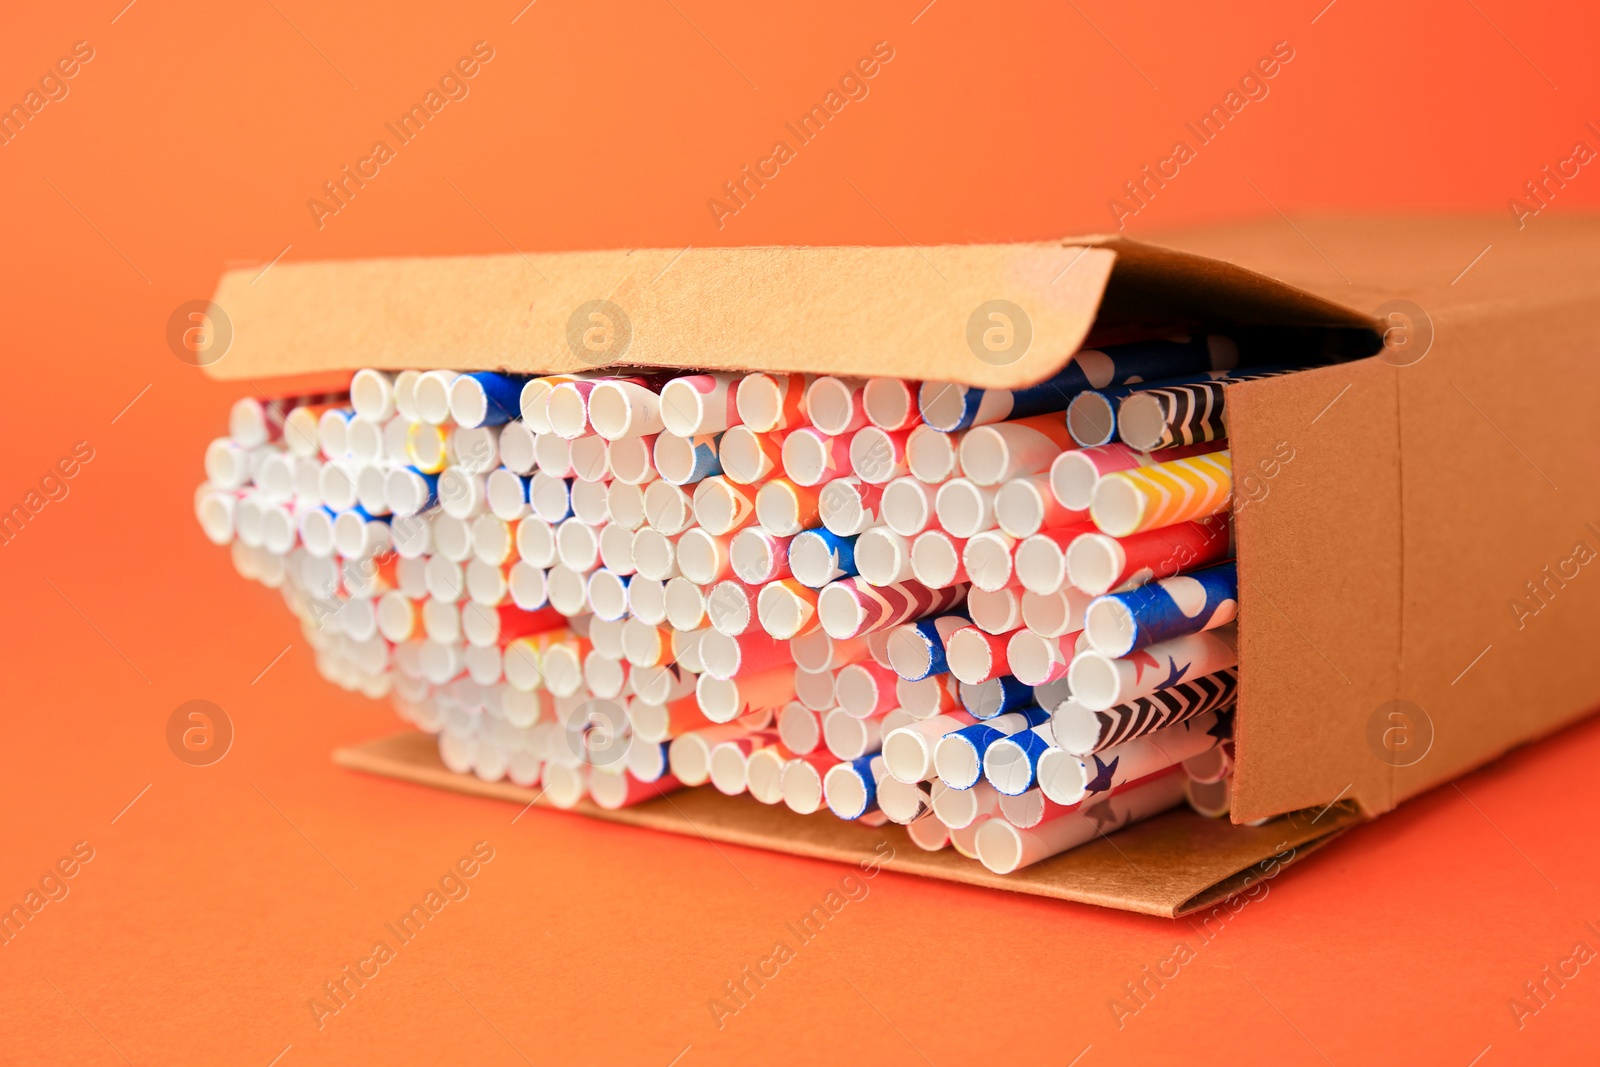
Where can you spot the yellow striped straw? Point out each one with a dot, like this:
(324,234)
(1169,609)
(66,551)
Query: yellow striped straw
(1130,502)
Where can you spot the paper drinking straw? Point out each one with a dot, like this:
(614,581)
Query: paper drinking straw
(589,457)
(535,398)
(748,457)
(1213,765)
(607,595)
(724,657)
(851,607)
(1010,764)
(908,750)
(1055,614)
(568,590)
(802,781)
(931,455)
(686,460)
(849,506)
(1097,564)
(1092,416)
(615,791)
(1004,848)
(975,656)
(997,696)
(903,803)
(958,755)
(689,754)
(700,403)
(890,403)
(554,455)
(227,464)
(333,433)
(864,690)
(934,695)
(664,721)
(644,645)
(883,557)
(817,651)
(399,617)
(851,789)
(987,560)
(1035,659)
(686,649)
(567,409)
(815,689)
(431,396)
(300,426)
(725,700)
(647,599)
(784,508)
(1081,731)
(604,675)
(767,402)
(1211,799)
(1178,415)
(536,542)
(1025,506)
(757,557)
(462,495)
(877,456)
(731,607)
(252,422)
(1130,502)
(960,809)
(834,405)
(927,832)
(907,506)
(485,398)
(616,549)
(1120,623)
(1041,560)
(591,503)
(625,503)
(624,407)
(818,557)
(655,555)
(728,760)
(488,584)
(799,728)
(550,497)
(702,557)
(668,508)
(516,446)
(764,773)
(955,407)
(1028,809)
(1073,474)
(1100,682)
(995,612)
(578,546)
(686,604)
(963,508)
(364,441)
(446,579)
(722,507)
(506,494)
(990,455)
(917,649)
(848,737)
(936,559)
(1068,779)
(631,460)
(788,609)
(811,457)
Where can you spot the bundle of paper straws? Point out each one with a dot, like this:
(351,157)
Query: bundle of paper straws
(1003,619)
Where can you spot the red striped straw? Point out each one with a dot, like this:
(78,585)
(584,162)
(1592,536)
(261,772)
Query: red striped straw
(851,607)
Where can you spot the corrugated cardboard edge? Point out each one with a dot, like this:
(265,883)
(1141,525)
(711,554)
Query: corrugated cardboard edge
(909,312)
(1169,866)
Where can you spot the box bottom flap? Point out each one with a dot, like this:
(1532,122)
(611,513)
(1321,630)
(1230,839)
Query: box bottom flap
(1169,866)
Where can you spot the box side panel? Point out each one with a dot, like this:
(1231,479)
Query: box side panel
(1317,520)
(1502,531)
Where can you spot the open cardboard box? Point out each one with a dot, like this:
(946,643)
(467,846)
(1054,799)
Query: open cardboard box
(1427,543)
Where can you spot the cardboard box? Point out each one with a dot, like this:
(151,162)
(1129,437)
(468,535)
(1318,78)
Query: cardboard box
(1416,587)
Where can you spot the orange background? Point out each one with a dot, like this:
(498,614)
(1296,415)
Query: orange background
(223,898)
